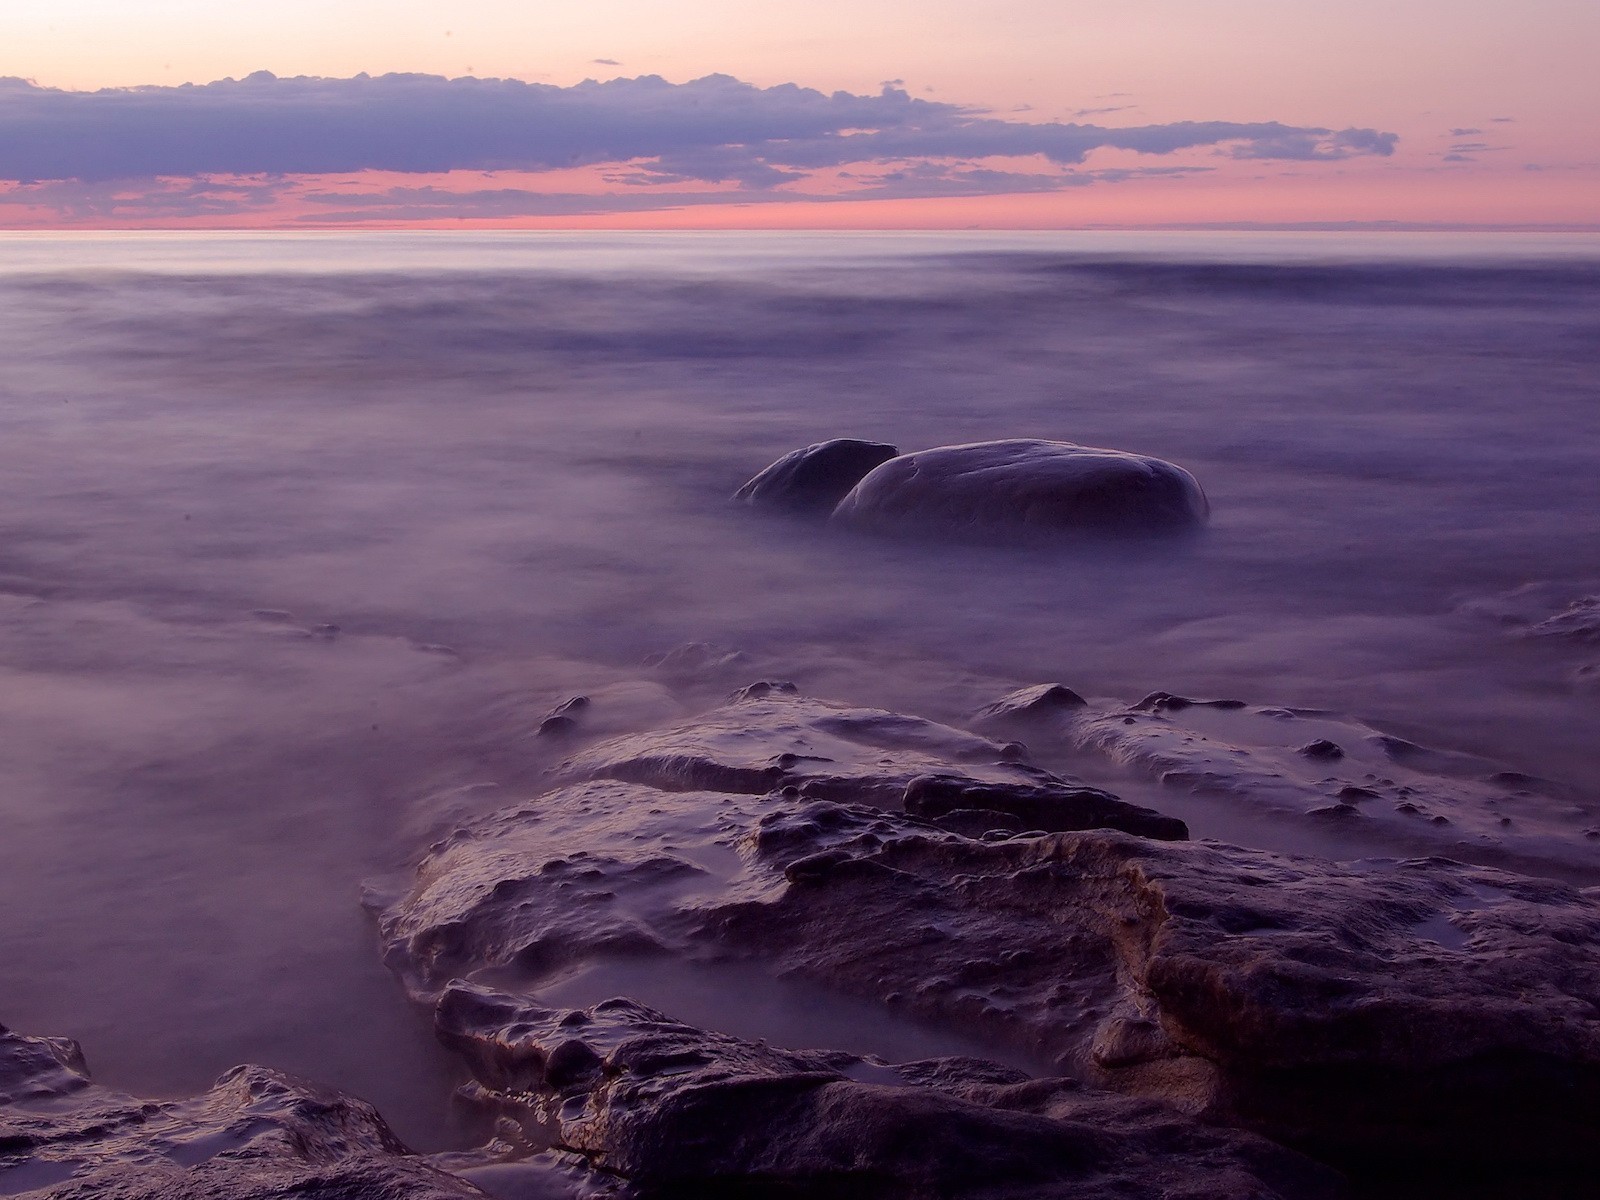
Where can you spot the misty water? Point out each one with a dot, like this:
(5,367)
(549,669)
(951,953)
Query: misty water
(301,536)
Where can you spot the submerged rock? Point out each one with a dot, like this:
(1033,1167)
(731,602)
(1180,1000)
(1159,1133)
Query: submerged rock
(815,479)
(256,1135)
(680,1110)
(1025,486)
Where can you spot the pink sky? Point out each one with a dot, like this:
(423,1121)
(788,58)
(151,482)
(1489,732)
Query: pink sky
(1494,110)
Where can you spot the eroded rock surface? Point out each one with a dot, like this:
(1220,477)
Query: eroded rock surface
(814,479)
(680,1110)
(1025,486)
(1367,1010)
(1302,762)
(257,1135)
(768,739)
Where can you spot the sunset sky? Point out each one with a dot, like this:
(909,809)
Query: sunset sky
(824,113)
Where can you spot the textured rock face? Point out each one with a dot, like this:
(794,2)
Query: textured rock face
(1314,765)
(257,1135)
(1367,1010)
(679,1110)
(768,739)
(1025,486)
(816,478)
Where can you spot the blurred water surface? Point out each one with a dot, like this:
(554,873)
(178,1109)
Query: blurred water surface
(520,447)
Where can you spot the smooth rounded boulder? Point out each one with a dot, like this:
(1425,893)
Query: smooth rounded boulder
(1025,486)
(816,478)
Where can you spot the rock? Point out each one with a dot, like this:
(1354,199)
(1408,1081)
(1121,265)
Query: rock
(1373,1012)
(1027,705)
(678,1110)
(256,1135)
(1280,762)
(777,739)
(1322,749)
(763,688)
(815,479)
(1053,807)
(1167,702)
(587,871)
(563,718)
(1025,486)
(1370,1012)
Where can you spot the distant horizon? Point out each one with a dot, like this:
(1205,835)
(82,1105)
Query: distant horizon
(823,114)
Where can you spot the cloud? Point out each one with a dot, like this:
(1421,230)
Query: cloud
(712,130)
(1464,132)
(605,62)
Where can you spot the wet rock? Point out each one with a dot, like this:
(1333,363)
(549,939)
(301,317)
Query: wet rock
(816,478)
(584,872)
(563,718)
(1261,757)
(1337,812)
(763,688)
(682,1111)
(1307,1000)
(1024,486)
(1167,702)
(1370,1011)
(1027,705)
(1323,750)
(1311,1001)
(760,744)
(256,1135)
(1054,808)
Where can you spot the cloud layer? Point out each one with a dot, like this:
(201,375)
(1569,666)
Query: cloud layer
(714,130)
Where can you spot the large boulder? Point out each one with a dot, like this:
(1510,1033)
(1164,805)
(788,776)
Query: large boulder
(682,1111)
(256,1135)
(816,478)
(1025,486)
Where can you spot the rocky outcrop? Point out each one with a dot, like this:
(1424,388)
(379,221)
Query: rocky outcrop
(814,479)
(256,1135)
(683,1111)
(1311,763)
(769,738)
(1368,1011)
(1024,486)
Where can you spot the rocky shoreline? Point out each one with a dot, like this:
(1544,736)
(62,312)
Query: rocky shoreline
(1205,1019)
(1145,1014)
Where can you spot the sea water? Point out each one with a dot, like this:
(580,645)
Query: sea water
(299,534)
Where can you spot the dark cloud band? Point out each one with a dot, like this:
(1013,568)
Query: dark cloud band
(711,130)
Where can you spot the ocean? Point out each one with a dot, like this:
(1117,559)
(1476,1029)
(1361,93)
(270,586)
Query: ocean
(301,535)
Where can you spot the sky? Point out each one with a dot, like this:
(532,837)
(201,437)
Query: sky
(822,114)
